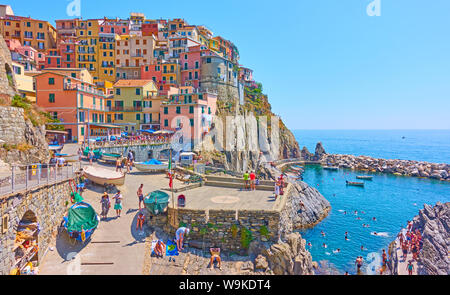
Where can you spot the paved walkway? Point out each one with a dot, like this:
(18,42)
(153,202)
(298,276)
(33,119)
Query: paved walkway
(402,263)
(116,247)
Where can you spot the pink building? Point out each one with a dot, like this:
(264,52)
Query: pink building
(189,109)
(114,26)
(191,66)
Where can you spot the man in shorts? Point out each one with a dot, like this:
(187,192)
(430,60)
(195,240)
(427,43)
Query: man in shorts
(179,236)
(246,180)
(140,195)
(253,181)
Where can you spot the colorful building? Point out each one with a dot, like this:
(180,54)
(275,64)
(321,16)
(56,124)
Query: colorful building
(24,82)
(191,108)
(38,34)
(130,99)
(77,103)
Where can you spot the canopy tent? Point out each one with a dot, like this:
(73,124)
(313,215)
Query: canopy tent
(151,131)
(81,217)
(156,202)
(163,132)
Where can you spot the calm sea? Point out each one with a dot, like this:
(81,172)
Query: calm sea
(392,200)
(420,145)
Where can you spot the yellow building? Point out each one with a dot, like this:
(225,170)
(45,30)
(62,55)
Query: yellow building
(24,82)
(87,48)
(80,74)
(135,102)
(171,73)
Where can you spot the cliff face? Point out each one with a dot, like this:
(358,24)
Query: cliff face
(20,141)
(245,119)
(7,82)
(434,224)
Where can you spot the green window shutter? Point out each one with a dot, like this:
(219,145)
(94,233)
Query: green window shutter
(192,122)
(166,123)
(51,97)
(138,117)
(178,110)
(82,130)
(51,81)
(166,110)
(191,109)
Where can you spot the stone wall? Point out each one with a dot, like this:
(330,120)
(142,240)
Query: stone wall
(48,203)
(222,228)
(16,131)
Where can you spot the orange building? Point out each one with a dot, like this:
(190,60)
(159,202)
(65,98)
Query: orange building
(77,103)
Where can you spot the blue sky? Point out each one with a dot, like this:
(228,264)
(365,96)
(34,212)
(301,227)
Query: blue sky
(325,64)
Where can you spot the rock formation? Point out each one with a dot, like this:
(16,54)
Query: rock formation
(434,224)
(7,81)
(21,142)
(284,258)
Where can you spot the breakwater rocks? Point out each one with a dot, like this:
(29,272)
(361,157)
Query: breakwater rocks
(397,167)
(434,224)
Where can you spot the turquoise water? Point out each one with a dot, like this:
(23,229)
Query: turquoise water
(391,199)
(419,145)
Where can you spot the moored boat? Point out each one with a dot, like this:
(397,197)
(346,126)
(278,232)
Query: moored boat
(152,165)
(351,183)
(331,168)
(364,177)
(104,176)
(110,158)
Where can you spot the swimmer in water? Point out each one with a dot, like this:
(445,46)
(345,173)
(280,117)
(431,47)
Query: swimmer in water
(374,219)
(358,218)
(356,212)
(309,244)
(324,245)
(346,236)
(337,251)
(375,233)
(345,212)
(322,233)
(362,248)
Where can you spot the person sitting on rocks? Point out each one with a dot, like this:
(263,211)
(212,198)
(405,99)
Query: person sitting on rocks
(215,255)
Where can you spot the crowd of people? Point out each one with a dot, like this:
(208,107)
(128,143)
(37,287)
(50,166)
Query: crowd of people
(134,140)
(410,242)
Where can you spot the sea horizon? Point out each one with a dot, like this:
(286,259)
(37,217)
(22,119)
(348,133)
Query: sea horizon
(429,145)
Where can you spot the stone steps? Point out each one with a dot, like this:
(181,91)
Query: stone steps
(237,185)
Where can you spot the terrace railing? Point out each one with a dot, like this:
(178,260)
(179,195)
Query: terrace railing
(27,177)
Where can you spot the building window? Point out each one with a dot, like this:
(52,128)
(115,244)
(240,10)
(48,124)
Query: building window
(178,110)
(208,60)
(51,98)
(191,109)
(138,91)
(138,117)
(118,91)
(82,131)
(192,122)
(166,123)
(166,110)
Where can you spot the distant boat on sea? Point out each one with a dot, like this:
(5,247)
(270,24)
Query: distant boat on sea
(351,183)
(365,177)
(331,168)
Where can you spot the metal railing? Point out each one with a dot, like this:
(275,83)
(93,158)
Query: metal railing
(23,178)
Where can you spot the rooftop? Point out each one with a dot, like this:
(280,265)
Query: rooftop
(132,83)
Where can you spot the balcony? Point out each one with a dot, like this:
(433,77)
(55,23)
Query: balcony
(79,87)
(124,109)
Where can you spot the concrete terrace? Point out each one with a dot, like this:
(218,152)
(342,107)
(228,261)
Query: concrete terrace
(116,247)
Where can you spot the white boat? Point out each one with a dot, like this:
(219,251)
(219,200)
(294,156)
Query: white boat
(104,176)
(110,158)
(69,158)
(149,167)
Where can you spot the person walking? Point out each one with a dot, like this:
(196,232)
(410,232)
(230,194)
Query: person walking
(119,165)
(118,203)
(140,195)
(106,204)
(277,189)
(253,181)
(359,262)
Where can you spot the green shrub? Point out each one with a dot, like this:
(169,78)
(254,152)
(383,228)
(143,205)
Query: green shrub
(246,237)
(264,232)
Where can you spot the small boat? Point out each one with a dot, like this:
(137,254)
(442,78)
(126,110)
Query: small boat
(152,165)
(103,176)
(81,221)
(331,168)
(364,177)
(351,183)
(55,147)
(156,202)
(110,158)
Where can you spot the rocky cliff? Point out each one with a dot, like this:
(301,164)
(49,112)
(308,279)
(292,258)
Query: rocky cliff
(7,81)
(283,258)
(244,120)
(434,224)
